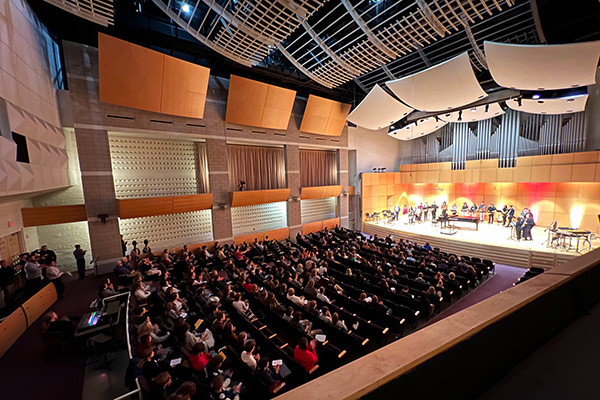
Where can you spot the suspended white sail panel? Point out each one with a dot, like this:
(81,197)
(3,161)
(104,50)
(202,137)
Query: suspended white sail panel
(543,67)
(564,105)
(451,84)
(378,110)
(474,113)
(99,11)
(417,129)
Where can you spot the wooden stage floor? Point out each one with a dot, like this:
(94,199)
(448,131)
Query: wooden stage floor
(489,241)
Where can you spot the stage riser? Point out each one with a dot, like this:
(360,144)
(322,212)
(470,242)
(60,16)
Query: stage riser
(523,258)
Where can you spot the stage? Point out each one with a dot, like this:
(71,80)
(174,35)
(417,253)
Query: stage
(489,241)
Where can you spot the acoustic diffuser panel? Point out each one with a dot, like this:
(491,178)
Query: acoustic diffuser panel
(378,110)
(324,117)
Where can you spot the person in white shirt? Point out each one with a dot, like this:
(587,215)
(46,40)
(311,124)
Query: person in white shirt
(321,295)
(292,296)
(248,357)
(242,306)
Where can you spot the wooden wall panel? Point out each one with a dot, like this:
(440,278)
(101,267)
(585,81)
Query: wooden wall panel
(11,329)
(137,77)
(324,117)
(258,104)
(38,216)
(320,192)
(278,234)
(312,227)
(130,75)
(38,304)
(151,206)
(184,88)
(252,197)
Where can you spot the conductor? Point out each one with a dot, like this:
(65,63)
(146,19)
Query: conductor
(79,255)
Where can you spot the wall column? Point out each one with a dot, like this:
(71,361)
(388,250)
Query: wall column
(342,156)
(219,185)
(99,195)
(292,170)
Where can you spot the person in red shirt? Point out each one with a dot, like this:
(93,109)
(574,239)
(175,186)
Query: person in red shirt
(198,358)
(305,354)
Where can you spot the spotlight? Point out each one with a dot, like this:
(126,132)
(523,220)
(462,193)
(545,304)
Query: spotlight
(487,107)
(520,101)
(393,127)
(185,8)
(535,96)
(459,116)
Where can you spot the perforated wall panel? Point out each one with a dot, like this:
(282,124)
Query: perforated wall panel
(151,167)
(317,209)
(166,231)
(258,218)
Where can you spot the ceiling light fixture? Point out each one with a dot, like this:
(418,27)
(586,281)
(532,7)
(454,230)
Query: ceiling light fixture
(535,96)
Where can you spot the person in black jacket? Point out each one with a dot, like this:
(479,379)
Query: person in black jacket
(527,226)
(510,215)
(519,227)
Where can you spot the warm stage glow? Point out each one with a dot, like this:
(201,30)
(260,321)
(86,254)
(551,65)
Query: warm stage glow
(576,215)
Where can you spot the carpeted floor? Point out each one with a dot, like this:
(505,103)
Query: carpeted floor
(28,371)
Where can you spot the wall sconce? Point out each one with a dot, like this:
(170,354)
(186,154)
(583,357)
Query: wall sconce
(295,198)
(345,194)
(103,217)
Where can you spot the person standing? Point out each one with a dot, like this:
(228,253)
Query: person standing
(510,215)
(79,255)
(527,226)
(491,210)
(397,211)
(482,212)
(434,208)
(33,273)
(47,256)
(7,282)
(124,246)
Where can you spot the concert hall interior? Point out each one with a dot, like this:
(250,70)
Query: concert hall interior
(299,199)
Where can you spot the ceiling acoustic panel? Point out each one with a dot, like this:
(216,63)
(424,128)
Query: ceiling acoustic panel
(258,104)
(451,84)
(474,113)
(378,110)
(417,129)
(564,105)
(324,117)
(130,75)
(137,77)
(543,67)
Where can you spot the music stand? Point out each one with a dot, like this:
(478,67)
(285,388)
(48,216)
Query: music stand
(95,262)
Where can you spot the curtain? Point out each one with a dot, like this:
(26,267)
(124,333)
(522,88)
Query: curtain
(260,167)
(318,168)
(202,171)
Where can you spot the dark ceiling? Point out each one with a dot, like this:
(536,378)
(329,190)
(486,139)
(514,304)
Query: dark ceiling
(144,23)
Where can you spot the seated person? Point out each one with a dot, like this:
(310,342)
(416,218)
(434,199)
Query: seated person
(184,392)
(291,295)
(305,354)
(140,292)
(310,288)
(159,385)
(198,358)
(242,306)
(107,289)
(321,295)
(221,389)
(51,323)
(270,375)
(248,356)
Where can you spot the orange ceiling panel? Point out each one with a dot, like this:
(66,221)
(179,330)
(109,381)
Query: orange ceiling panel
(184,88)
(130,75)
(278,108)
(324,117)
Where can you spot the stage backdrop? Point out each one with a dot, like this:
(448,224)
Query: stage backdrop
(575,204)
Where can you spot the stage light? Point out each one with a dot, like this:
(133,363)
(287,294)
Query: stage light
(459,116)
(520,102)
(185,8)
(535,96)
(487,107)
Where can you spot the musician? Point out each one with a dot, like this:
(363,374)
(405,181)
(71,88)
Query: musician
(473,209)
(425,211)
(519,227)
(454,209)
(411,215)
(434,208)
(397,211)
(491,210)
(504,213)
(444,209)
(419,214)
(482,212)
(510,215)
(465,209)
(527,226)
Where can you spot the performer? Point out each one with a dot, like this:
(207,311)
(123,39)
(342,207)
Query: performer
(527,226)
(397,211)
(454,209)
(482,212)
(519,227)
(510,215)
(419,214)
(411,215)
(473,209)
(491,210)
(425,211)
(444,208)
(504,213)
(434,208)
(465,209)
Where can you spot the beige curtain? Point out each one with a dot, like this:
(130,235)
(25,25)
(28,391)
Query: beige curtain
(260,167)
(202,171)
(318,168)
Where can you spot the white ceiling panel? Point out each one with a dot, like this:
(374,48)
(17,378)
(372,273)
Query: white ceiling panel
(564,105)
(474,113)
(417,129)
(543,67)
(451,84)
(378,110)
